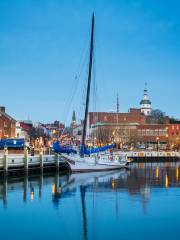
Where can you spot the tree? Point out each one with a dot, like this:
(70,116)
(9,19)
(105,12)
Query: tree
(37,132)
(157,117)
(103,135)
(173,120)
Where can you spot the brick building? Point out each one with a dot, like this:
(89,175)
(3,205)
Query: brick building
(114,125)
(7,125)
(162,134)
(131,127)
(153,135)
(133,116)
(174,135)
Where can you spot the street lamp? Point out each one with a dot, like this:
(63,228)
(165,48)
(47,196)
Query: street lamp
(95,142)
(113,136)
(167,141)
(177,140)
(157,139)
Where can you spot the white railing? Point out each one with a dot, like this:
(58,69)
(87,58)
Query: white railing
(152,154)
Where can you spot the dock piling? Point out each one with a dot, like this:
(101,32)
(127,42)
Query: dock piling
(26,157)
(41,160)
(57,162)
(5,160)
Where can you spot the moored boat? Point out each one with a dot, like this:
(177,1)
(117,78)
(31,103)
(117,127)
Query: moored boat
(90,159)
(100,162)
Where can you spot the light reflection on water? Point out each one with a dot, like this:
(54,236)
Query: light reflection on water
(139,203)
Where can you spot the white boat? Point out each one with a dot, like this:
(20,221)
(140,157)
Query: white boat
(95,162)
(93,159)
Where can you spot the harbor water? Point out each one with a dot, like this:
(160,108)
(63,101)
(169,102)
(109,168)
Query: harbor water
(142,202)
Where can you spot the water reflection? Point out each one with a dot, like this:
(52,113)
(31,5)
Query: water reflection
(137,180)
(93,189)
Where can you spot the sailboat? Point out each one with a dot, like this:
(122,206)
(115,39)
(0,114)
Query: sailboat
(93,159)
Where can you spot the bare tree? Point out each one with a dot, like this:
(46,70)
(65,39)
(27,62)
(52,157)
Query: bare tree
(157,117)
(103,135)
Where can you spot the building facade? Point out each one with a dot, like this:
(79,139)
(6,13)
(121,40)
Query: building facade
(153,135)
(174,136)
(7,125)
(134,115)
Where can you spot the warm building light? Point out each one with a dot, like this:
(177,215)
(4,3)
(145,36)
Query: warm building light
(113,184)
(53,189)
(177,173)
(32,195)
(166,181)
(157,172)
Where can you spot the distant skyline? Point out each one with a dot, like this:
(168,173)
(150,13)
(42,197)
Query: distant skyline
(44,44)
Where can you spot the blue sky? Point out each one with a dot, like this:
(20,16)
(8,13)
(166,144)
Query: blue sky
(44,43)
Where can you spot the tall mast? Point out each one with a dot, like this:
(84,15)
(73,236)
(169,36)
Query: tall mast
(89,82)
(117,104)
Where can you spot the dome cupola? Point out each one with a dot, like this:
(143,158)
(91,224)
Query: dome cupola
(145,103)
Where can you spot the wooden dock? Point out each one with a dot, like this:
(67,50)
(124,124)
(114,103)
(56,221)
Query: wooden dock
(24,163)
(16,163)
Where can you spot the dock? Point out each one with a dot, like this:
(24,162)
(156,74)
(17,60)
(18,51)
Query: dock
(154,156)
(11,163)
(16,163)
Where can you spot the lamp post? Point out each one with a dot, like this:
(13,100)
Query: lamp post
(113,136)
(177,140)
(157,139)
(167,140)
(95,141)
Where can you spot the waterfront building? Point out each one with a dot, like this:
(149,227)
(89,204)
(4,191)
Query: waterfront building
(28,123)
(77,132)
(106,127)
(174,135)
(145,103)
(134,115)
(121,133)
(54,130)
(7,124)
(153,136)
(22,130)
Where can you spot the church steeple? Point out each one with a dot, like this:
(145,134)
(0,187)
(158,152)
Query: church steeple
(145,103)
(73,120)
(74,117)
